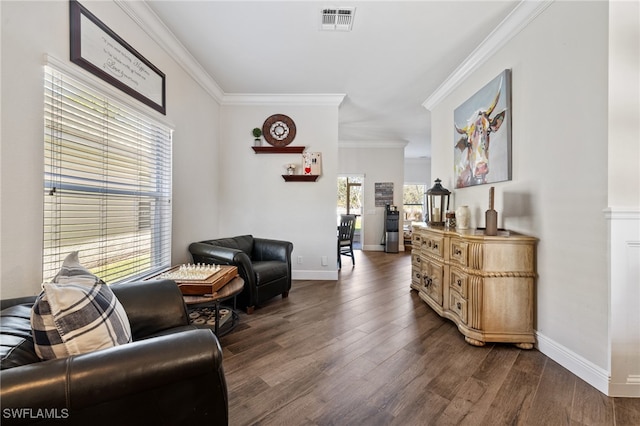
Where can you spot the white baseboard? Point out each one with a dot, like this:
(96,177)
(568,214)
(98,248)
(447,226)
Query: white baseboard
(314,275)
(631,389)
(586,370)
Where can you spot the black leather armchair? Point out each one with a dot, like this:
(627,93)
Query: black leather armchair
(170,374)
(264,264)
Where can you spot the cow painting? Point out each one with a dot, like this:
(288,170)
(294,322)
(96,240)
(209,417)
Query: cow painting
(472,166)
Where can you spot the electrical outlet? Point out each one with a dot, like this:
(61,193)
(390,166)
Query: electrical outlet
(299,259)
(324,261)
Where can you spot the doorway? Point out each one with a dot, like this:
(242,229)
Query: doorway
(350,202)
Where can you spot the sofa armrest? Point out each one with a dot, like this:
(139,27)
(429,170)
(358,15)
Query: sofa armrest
(142,382)
(152,306)
(266,249)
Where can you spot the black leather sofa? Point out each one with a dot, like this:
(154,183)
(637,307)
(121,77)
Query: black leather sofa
(171,374)
(263,264)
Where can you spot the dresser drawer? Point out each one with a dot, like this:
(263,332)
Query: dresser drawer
(433,245)
(458,305)
(415,258)
(416,240)
(458,251)
(416,276)
(458,282)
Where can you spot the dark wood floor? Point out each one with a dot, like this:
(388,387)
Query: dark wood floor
(365,350)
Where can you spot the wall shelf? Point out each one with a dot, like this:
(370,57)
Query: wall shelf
(300,178)
(278,149)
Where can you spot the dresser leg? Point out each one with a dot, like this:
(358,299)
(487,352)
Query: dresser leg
(473,342)
(524,345)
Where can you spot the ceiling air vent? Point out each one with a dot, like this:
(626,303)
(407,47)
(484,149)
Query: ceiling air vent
(337,18)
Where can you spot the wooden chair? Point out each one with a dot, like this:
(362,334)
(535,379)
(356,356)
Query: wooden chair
(346,229)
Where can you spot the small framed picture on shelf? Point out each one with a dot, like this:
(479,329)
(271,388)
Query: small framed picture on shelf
(312,163)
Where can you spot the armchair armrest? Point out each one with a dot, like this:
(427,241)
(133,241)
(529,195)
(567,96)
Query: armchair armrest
(141,382)
(152,306)
(266,249)
(210,254)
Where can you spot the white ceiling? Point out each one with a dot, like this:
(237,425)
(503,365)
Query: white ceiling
(396,56)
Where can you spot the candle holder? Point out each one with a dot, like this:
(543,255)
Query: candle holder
(437,204)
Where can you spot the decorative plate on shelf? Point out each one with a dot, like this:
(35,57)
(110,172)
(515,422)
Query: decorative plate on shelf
(279,130)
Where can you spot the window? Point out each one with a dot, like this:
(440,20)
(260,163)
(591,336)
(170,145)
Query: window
(350,199)
(413,203)
(107,183)
(350,195)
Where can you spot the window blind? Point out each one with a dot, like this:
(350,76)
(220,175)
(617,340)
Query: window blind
(107,183)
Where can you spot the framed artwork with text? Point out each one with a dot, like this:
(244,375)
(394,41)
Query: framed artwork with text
(97,49)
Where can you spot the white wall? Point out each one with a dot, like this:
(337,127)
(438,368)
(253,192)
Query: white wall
(30,30)
(624,197)
(418,171)
(624,108)
(255,199)
(559,186)
(378,162)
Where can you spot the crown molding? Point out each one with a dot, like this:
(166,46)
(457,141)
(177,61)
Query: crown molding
(372,144)
(525,12)
(327,99)
(141,14)
(419,160)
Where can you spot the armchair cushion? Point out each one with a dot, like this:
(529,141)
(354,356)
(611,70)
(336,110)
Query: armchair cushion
(77,313)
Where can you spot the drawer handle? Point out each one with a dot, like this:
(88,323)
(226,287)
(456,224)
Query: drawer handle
(457,252)
(429,244)
(427,281)
(435,246)
(459,282)
(459,305)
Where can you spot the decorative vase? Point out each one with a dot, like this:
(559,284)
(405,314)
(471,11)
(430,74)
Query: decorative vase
(257,142)
(463,217)
(491,216)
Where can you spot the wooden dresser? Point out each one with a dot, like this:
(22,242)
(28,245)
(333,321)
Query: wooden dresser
(484,284)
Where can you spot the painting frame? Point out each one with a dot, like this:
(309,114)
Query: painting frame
(482,135)
(100,51)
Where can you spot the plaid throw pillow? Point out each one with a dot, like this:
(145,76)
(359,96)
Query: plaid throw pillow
(77,313)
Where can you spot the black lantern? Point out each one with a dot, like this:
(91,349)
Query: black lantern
(437,204)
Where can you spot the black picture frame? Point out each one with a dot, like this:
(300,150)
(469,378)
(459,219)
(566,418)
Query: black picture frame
(100,51)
